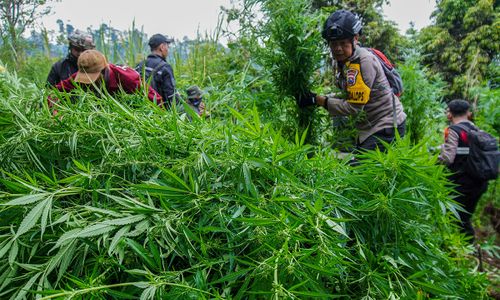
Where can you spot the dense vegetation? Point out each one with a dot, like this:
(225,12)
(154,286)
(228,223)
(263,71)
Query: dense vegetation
(116,198)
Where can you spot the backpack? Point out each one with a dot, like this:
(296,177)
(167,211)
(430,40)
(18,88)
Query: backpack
(150,73)
(483,159)
(390,72)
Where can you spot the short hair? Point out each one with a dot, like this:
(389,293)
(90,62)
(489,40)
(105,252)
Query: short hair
(458,107)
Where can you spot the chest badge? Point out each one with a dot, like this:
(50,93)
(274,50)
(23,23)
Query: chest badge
(351,75)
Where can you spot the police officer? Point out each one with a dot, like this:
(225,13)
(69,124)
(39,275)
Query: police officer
(454,153)
(64,68)
(157,72)
(361,76)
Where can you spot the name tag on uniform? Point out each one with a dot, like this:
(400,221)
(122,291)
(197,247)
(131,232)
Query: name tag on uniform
(357,90)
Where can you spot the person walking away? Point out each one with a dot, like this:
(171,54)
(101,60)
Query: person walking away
(77,43)
(369,95)
(455,153)
(157,72)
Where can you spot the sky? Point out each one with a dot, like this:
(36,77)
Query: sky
(179,18)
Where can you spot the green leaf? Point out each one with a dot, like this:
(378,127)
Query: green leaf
(32,218)
(125,221)
(176,179)
(231,276)
(117,238)
(6,247)
(27,287)
(139,250)
(14,250)
(27,199)
(94,230)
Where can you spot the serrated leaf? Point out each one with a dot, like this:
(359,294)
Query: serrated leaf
(14,250)
(24,290)
(45,216)
(5,248)
(31,218)
(67,236)
(125,221)
(94,230)
(27,199)
(117,238)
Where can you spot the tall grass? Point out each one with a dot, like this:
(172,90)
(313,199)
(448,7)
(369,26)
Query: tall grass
(116,198)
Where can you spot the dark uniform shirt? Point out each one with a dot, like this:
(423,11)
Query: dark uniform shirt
(62,70)
(163,75)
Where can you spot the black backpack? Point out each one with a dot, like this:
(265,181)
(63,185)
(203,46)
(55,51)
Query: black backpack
(483,159)
(150,73)
(390,72)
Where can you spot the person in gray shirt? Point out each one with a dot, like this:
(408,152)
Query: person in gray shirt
(361,75)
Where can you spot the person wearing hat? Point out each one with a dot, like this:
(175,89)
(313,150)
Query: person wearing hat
(95,73)
(157,72)
(77,43)
(195,99)
(361,76)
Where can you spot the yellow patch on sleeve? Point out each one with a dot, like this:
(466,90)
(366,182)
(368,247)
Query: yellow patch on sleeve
(357,90)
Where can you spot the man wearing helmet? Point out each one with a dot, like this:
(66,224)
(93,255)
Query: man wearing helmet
(361,76)
(78,42)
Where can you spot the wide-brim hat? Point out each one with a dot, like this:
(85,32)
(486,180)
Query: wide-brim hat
(90,65)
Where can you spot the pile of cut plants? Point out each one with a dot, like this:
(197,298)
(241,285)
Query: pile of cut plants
(114,198)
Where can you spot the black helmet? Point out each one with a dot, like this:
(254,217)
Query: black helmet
(341,24)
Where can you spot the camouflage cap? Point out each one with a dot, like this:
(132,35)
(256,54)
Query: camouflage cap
(193,92)
(81,40)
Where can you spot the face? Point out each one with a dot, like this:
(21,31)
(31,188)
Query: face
(164,49)
(76,51)
(342,49)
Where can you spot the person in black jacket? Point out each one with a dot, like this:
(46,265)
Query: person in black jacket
(64,68)
(454,153)
(157,72)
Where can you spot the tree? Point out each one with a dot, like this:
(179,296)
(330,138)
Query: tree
(16,16)
(377,32)
(462,43)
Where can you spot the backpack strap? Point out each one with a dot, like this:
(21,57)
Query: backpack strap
(155,70)
(382,59)
(463,127)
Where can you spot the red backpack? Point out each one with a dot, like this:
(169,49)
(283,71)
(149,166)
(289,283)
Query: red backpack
(390,72)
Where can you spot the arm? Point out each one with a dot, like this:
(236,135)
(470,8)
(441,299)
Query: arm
(53,78)
(449,148)
(361,79)
(63,86)
(168,83)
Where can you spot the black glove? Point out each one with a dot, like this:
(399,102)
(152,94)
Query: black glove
(306,99)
